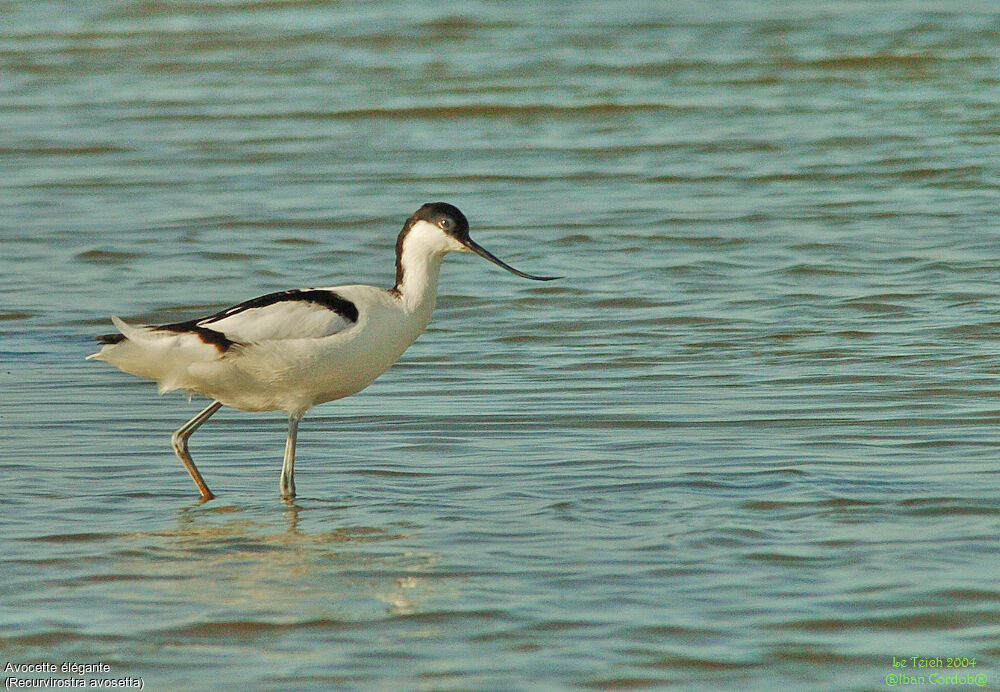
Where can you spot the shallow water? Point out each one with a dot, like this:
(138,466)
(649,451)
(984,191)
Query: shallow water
(750,441)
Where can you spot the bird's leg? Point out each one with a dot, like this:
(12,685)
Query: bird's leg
(180,441)
(287,483)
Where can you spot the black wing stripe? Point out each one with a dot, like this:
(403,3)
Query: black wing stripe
(213,338)
(327,299)
(209,336)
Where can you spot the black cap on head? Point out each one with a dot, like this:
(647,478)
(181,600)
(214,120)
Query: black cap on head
(452,221)
(449,217)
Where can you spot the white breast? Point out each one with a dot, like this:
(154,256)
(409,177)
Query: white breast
(297,372)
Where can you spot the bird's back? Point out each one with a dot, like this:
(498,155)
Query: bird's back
(283,351)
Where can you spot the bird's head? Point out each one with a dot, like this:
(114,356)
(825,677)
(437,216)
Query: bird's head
(439,228)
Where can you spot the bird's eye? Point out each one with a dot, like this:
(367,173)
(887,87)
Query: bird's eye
(446,224)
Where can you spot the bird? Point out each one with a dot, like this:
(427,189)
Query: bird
(295,349)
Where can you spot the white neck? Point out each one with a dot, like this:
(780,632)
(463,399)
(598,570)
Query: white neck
(420,258)
(418,290)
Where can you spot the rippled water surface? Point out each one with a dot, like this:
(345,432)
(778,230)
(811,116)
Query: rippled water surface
(751,441)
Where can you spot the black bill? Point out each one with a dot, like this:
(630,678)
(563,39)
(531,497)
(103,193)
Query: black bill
(483,252)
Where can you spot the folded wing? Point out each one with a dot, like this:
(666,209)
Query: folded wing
(297,314)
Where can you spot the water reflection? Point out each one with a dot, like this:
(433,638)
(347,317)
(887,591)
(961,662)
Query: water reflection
(239,563)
